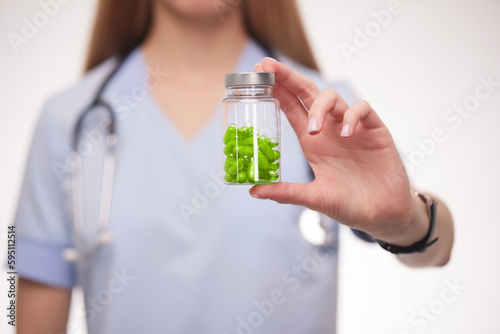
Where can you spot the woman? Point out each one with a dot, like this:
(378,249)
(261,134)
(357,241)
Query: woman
(181,261)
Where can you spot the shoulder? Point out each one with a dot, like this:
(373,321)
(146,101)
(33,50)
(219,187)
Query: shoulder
(341,86)
(62,110)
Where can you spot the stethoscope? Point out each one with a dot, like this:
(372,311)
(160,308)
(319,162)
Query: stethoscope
(80,250)
(314,227)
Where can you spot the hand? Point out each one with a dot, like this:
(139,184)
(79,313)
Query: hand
(360,180)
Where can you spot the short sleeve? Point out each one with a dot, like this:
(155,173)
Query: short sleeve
(42,221)
(363,235)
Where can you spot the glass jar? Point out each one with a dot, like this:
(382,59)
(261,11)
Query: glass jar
(251,129)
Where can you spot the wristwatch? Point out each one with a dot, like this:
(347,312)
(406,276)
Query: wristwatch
(422,245)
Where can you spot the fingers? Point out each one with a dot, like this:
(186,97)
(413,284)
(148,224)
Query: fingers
(287,193)
(327,102)
(291,106)
(290,85)
(298,84)
(359,112)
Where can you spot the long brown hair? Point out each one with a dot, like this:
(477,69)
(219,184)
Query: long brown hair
(122,25)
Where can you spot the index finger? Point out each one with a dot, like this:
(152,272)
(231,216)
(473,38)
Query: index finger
(298,84)
(291,105)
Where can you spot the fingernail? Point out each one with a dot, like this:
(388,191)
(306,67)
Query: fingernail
(313,125)
(254,195)
(271,59)
(345,131)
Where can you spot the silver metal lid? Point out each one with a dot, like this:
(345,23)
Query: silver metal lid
(250,79)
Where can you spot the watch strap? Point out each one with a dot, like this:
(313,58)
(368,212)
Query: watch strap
(422,245)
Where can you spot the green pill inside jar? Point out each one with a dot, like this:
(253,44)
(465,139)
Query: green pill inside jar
(236,166)
(263,162)
(243,151)
(277,155)
(265,148)
(229,161)
(228,149)
(230,134)
(246,141)
(242,176)
(251,129)
(229,178)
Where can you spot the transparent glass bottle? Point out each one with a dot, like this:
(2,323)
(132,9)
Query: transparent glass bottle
(251,129)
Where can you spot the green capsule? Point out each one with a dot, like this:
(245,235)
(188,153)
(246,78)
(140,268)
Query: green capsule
(246,131)
(264,139)
(263,163)
(242,132)
(236,166)
(267,150)
(264,176)
(229,161)
(273,142)
(273,176)
(228,149)
(251,172)
(250,131)
(243,151)
(229,178)
(274,166)
(241,164)
(246,141)
(230,134)
(242,176)
(277,155)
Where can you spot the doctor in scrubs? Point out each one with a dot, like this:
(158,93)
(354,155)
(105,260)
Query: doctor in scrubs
(188,254)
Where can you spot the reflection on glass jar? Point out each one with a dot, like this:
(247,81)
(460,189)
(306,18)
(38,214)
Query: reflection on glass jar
(251,129)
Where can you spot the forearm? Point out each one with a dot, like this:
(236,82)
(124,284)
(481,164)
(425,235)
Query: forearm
(439,253)
(416,228)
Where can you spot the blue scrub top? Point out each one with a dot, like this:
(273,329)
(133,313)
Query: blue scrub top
(189,254)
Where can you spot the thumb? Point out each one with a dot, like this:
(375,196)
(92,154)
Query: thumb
(287,193)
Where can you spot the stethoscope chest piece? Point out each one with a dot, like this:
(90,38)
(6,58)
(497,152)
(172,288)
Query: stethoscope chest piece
(317,229)
(73,254)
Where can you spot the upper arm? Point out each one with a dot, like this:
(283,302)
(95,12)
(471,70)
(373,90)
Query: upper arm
(43,227)
(41,308)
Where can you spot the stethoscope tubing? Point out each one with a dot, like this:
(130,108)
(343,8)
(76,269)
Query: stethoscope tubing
(80,251)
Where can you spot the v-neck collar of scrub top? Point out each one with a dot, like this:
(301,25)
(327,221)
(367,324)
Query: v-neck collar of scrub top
(201,273)
(131,86)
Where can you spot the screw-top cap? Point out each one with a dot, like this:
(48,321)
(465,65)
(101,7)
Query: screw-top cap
(250,79)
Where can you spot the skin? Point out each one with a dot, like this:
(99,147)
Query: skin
(360,179)
(41,308)
(358,165)
(197,52)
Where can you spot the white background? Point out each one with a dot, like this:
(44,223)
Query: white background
(427,59)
